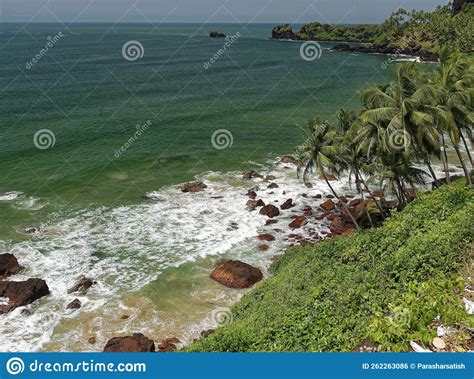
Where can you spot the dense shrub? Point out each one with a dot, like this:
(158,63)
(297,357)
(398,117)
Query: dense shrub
(387,284)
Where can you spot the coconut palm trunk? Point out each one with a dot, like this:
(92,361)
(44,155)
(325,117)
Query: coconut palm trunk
(465,145)
(445,160)
(466,171)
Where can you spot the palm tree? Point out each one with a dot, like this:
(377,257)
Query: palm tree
(400,108)
(351,157)
(455,79)
(318,152)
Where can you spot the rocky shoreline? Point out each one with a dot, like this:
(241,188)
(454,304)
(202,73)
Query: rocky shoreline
(286,33)
(298,218)
(387,50)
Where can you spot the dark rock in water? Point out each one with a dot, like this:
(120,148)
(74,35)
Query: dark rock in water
(298,222)
(266,237)
(233,226)
(252,195)
(287,204)
(207,332)
(25,312)
(137,343)
(329,196)
(308,211)
(270,177)
(9,265)
(236,274)
(270,210)
(92,340)
(318,196)
(193,187)
(328,205)
(270,222)
(82,285)
(355,202)
(289,160)
(251,174)
(168,345)
(216,34)
(31,230)
(263,247)
(22,293)
(284,32)
(124,317)
(251,205)
(272,186)
(75,304)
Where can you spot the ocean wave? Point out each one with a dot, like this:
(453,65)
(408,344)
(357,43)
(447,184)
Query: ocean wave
(127,249)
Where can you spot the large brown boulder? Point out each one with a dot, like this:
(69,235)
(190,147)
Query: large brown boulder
(193,187)
(82,285)
(9,265)
(328,205)
(287,204)
(137,343)
(251,174)
(298,222)
(270,210)
(22,293)
(168,345)
(289,159)
(266,237)
(236,274)
(340,226)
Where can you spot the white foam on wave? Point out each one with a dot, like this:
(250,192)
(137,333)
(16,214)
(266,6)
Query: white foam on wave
(10,196)
(127,248)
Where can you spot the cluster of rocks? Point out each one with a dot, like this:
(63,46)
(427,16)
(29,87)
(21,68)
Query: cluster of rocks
(138,343)
(21,293)
(388,50)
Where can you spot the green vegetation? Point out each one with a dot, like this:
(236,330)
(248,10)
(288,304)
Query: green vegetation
(404,31)
(387,285)
(401,126)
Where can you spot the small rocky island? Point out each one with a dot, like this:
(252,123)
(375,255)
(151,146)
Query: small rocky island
(216,34)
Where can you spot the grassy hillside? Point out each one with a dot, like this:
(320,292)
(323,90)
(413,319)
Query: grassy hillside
(387,286)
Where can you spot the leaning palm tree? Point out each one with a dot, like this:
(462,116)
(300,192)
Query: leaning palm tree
(351,157)
(455,76)
(400,108)
(318,153)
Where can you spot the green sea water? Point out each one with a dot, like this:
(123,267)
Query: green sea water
(91,98)
(151,259)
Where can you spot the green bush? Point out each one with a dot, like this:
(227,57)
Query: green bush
(334,295)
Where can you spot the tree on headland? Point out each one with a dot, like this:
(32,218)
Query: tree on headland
(401,126)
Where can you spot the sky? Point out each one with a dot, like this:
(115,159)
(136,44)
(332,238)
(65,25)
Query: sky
(213,11)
